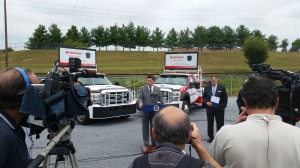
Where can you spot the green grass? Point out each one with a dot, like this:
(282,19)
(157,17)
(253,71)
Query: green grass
(148,62)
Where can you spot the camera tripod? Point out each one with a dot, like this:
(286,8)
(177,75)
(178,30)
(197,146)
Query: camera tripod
(62,149)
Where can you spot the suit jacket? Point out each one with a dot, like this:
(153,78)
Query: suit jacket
(239,101)
(145,97)
(220,92)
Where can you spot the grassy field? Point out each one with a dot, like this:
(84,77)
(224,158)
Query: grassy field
(137,62)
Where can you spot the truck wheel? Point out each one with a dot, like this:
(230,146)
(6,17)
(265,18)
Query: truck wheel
(83,119)
(186,106)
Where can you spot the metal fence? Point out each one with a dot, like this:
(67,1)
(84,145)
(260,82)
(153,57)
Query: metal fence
(232,83)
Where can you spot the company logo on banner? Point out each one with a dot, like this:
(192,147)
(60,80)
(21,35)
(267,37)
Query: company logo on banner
(87,57)
(181,60)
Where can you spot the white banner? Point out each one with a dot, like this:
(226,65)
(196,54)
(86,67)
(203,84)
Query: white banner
(181,60)
(87,56)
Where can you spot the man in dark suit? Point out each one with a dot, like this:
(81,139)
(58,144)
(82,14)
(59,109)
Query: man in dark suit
(148,95)
(215,98)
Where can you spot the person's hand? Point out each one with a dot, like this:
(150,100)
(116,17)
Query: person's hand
(242,117)
(141,106)
(243,108)
(209,104)
(196,137)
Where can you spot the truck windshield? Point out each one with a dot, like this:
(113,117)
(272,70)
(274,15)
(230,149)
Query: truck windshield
(99,80)
(172,79)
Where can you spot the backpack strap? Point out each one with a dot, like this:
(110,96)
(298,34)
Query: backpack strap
(141,162)
(190,162)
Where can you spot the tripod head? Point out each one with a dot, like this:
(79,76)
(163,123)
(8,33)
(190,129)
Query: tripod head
(63,135)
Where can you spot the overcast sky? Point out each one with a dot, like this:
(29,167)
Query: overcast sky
(280,17)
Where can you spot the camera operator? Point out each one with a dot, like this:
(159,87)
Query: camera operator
(260,139)
(13,149)
(172,129)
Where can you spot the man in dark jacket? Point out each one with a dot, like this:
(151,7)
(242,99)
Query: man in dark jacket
(215,98)
(13,149)
(172,129)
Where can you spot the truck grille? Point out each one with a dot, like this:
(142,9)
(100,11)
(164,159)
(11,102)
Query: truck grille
(113,98)
(168,97)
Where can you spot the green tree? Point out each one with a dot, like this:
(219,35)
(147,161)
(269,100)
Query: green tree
(255,50)
(157,38)
(242,33)
(130,31)
(272,42)
(106,39)
(257,33)
(229,37)
(85,36)
(199,37)
(72,34)
(215,37)
(171,40)
(114,35)
(295,45)
(142,37)
(97,36)
(184,38)
(39,39)
(73,38)
(284,44)
(123,39)
(54,36)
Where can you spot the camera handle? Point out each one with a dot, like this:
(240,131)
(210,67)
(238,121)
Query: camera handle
(54,141)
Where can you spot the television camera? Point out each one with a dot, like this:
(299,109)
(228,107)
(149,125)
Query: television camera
(288,91)
(57,101)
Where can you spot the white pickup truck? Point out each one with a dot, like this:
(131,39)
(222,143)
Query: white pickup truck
(180,90)
(181,83)
(109,100)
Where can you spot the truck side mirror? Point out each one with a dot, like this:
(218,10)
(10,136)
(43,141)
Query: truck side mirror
(195,85)
(117,83)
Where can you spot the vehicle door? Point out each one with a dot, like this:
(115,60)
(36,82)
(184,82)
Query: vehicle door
(192,90)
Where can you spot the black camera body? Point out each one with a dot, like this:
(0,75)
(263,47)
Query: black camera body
(288,91)
(59,96)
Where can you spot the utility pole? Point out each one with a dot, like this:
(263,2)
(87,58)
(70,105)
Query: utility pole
(6,43)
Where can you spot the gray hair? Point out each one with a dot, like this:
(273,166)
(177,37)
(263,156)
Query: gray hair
(178,133)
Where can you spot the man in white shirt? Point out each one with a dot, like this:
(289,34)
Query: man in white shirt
(261,139)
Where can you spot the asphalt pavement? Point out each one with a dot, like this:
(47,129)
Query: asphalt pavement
(114,143)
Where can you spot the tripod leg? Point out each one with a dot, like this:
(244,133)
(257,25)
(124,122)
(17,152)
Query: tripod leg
(46,163)
(56,162)
(73,160)
(66,161)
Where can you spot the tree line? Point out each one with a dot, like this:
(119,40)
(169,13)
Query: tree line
(132,37)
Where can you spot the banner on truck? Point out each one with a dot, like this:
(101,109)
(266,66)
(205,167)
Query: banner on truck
(181,60)
(87,56)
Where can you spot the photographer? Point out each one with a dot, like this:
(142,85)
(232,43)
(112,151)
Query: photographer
(172,129)
(260,139)
(13,149)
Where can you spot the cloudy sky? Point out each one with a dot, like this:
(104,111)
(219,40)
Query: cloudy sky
(280,17)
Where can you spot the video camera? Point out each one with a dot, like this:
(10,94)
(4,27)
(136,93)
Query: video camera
(59,97)
(288,91)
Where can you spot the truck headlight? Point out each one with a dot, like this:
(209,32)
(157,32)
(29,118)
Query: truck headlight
(175,96)
(96,98)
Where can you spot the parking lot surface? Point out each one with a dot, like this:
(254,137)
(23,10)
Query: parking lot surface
(114,143)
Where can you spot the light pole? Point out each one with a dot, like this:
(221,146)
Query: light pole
(6,45)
